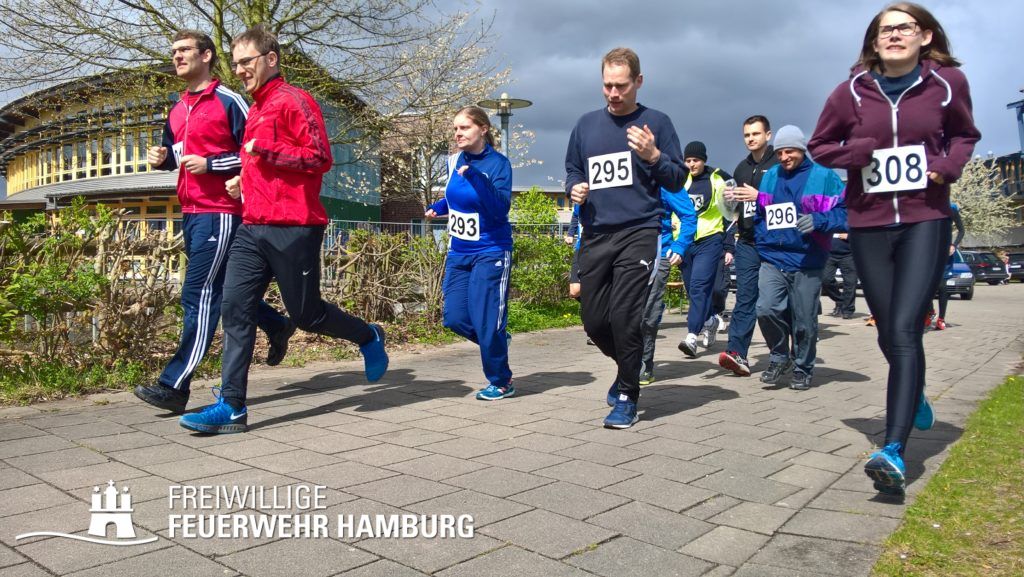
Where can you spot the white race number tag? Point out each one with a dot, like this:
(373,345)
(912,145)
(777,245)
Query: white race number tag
(178,149)
(781,215)
(749,208)
(698,201)
(896,169)
(608,170)
(464,225)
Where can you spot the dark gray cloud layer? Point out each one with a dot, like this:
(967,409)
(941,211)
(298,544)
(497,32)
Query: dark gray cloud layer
(711,64)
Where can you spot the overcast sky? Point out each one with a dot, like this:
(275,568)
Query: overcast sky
(711,64)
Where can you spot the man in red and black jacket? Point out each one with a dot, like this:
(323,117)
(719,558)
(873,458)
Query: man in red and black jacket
(201,140)
(285,155)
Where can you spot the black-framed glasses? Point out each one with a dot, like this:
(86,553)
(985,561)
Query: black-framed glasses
(246,62)
(905,29)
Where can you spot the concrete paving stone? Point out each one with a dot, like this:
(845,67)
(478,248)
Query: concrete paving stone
(18,430)
(91,475)
(464,448)
(437,467)
(23,570)
(569,500)
(58,419)
(365,428)
(858,503)
(160,427)
(756,517)
(498,481)
(396,415)
(326,418)
(484,509)
(352,511)
(511,562)
(522,459)
(248,448)
(508,418)
(669,468)
(575,415)
(288,433)
(678,432)
(547,533)
(383,568)
(660,492)
(652,525)
(809,442)
(345,474)
(587,474)
(194,468)
(746,487)
(71,517)
(625,557)
(817,556)
(52,461)
(855,480)
(737,429)
(63,556)
(11,478)
(744,445)
(185,563)
(145,488)
(333,442)
(720,571)
(542,442)
(288,557)
(840,526)
(491,432)
(412,437)
(725,545)
(815,429)
(10,557)
(736,415)
(430,555)
(555,427)
(441,423)
(243,478)
(754,570)
(291,461)
(461,410)
(156,454)
(673,448)
(806,477)
(122,441)
(746,464)
(31,498)
(711,507)
(98,428)
(191,439)
(824,461)
(382,454)
(603,454)
(613,437)
(401,490)
(687,420)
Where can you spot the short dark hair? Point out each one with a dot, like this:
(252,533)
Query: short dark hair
(758,118)
(262,39)
(203,43)
(622,57)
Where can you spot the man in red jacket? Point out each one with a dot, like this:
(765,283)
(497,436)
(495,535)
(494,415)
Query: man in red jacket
(286,153)
(201,140)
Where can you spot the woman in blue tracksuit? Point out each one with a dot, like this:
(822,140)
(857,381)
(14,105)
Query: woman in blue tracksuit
(476,277)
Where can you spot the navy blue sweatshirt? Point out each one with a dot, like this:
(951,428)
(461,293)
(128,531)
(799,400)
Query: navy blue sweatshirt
(622,207)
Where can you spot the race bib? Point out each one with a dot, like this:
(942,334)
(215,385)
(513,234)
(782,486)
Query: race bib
(781,215)
(464,225)
(698,201)
(749,209)
(896,169)
(178,149)
(608,170)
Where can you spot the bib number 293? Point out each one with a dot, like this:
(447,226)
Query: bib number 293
(608,170)
(896,169)
(781,215)
(463,225)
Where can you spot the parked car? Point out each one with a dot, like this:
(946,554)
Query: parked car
(986,266)
(1017,266)
(959,279)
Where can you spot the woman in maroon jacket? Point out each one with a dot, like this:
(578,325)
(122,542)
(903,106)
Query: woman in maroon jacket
(902,127)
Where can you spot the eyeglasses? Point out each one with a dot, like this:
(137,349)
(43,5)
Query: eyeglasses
(246,62)
(905,29)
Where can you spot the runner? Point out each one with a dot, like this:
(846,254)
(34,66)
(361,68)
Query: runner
(940,322)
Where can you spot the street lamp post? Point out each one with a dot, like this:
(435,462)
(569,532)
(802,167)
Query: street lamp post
(504,106)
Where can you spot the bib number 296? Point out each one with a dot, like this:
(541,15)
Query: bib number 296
(781,215)
(896,169)
(608,170)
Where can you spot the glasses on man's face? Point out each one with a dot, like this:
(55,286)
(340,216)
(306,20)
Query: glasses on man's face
(247,62)
(905,29)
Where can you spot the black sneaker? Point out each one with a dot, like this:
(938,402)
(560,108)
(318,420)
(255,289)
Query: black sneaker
(801,381)
(279,344)
(163,397)
(591,342)
(775,371)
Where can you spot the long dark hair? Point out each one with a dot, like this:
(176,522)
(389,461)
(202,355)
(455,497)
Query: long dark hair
(937,50)
(479,118)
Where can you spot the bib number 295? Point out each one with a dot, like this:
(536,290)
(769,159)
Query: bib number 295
(608,170)
(896,169)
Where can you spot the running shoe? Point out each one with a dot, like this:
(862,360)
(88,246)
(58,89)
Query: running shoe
(163,397)
(493,393)
(590,342)
(613,393)
(871,321)
(924,418)
(375,358)
(623,415)
(711,330)
(216,419)
(279,344)
(801,381)
(776,371)
(689,346)
(940,324)
(928,318)
(887,470)
(646,377)
(731,360)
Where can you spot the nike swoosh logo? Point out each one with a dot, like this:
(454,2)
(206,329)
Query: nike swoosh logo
(235,417)
(305,273)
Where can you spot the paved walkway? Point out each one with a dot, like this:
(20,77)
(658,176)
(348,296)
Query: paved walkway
(722,476)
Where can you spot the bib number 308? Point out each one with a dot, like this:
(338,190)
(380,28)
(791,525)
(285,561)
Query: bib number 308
(896,169)
(781,215)
(608,170)
(463,225)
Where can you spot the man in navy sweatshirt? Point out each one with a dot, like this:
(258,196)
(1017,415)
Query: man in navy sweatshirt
(618,159)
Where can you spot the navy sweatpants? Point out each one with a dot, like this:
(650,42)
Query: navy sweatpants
(700,269)
(744,312)
(476,307)
(207,239)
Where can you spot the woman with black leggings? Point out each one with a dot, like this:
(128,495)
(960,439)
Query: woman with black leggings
(940,321)
(902,127)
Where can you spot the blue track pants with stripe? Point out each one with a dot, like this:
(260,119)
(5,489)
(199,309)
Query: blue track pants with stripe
(476,307)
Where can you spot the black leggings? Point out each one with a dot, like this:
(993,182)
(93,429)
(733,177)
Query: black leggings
(943,299)
(899,268)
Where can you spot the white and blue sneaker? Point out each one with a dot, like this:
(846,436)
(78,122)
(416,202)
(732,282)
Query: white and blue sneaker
(219,418)
(623,415)
(924,418)
(494,393)
(887,470)
(375,358)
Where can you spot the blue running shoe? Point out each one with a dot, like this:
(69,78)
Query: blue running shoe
(924,418)
(375,358)
(216,419)
(613,394)
(887,470)
(623,415)
(493,393)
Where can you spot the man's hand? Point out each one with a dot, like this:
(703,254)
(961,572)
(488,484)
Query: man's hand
(568,239)
(728,258)
(744,193)
(805,224)
(936,177)
(234,186)
(578,193)
(673,258)
(842,236)
(641,140)
(156,155)
(194,164)
(431,213)
(249,146)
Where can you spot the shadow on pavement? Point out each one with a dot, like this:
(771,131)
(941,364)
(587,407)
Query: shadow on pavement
(663,400)
(923,445)
(536,383)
